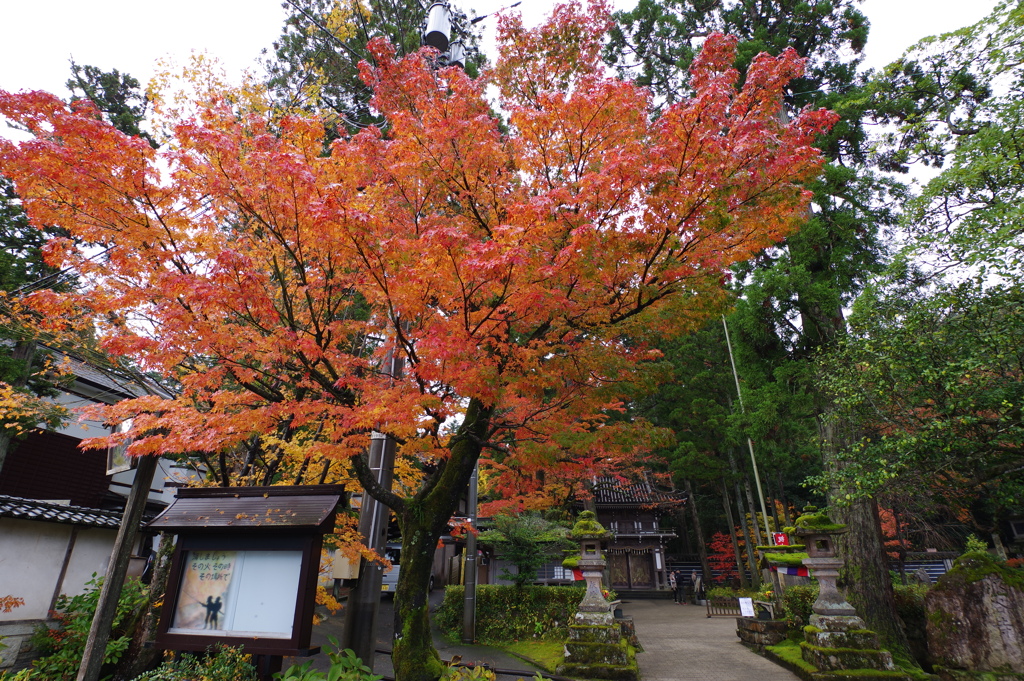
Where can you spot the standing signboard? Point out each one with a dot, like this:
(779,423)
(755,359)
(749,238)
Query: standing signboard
(245,568)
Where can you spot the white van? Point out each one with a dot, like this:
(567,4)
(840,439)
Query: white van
(389,580)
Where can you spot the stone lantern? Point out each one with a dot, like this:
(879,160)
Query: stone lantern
(837,639)
(818,533)
(596,648)
(590,534)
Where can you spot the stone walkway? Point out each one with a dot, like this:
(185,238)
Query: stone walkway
(682,644)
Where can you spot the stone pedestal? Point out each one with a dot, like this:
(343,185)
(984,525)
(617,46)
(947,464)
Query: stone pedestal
(596,648)
(830,601)
(760,633)
(837,642)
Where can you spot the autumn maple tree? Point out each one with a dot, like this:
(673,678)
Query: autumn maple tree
(517,268)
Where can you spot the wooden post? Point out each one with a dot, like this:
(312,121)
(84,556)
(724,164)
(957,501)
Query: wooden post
(99,632)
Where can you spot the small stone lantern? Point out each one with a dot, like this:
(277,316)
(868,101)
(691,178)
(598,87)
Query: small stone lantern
(818,533)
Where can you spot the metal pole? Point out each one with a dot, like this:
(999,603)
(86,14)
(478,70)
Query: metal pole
(469,602)
(360,632)
(364,599)
(750,444)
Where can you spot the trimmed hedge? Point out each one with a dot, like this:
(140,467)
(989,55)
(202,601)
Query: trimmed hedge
(506,613)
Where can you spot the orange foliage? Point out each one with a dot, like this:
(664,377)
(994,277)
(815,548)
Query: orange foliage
(9,603)
(505,268)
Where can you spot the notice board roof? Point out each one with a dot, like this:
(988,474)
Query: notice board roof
(310,507)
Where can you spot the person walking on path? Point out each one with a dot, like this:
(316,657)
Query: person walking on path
(674,585)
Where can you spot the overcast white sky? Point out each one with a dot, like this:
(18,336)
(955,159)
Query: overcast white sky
(131,35)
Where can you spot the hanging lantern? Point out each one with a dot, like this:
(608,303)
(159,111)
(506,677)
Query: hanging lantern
(439,26)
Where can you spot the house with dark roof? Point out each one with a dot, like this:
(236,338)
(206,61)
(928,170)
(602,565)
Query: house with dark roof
(60,508)
(632,510)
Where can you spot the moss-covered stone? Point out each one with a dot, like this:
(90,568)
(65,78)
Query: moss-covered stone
(840,659)
(587,527)
(759,633)
(795,559)
(973,617)
(977,565)
(627,672)
(817,521)
(594,634)
(595,653)
(857,639)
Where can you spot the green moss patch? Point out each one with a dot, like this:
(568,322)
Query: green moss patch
(544,654)
(790,655)
(977,565)
(786,559)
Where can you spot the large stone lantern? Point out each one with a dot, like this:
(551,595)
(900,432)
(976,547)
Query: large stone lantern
(837,639)
(818,532)
(596,648)
(591,534)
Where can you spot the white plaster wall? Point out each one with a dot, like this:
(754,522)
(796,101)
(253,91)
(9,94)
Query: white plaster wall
(91,554)
(31,555)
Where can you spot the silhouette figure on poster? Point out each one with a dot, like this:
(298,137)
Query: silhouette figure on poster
(209,611)
(215,613)
(213,609)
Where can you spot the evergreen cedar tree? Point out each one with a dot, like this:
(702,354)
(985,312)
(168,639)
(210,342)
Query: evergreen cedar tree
(504,265)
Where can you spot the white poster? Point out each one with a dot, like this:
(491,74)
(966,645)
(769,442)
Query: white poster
(241,593)
(747,607)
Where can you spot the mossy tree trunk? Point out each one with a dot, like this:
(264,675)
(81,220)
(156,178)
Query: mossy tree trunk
(865,575)
(423,518)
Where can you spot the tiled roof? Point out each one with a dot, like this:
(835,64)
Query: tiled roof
(611,491)
(48,511)
(250,508)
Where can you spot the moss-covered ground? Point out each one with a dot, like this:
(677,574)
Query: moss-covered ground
(545,654)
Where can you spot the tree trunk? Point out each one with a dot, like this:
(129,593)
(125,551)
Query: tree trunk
(702,548)
(782,497)
(423,519)
(106,608)
(733,529)
(865,574)
(759,541)
(141,656)
(748,537)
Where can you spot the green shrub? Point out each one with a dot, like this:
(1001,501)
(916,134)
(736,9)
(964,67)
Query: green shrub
(509,613)
(222,663)
(910,603)
(61,649)
(731,592)
(796,604)
(345,666)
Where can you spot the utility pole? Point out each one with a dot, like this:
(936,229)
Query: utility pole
(360,632)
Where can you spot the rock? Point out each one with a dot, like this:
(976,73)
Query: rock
(975,618)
